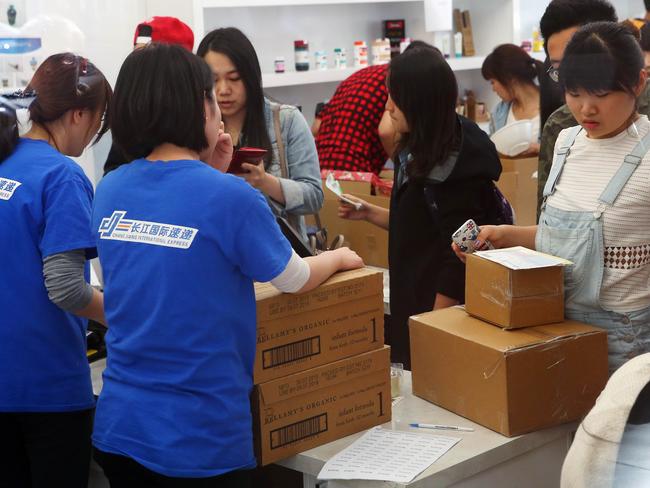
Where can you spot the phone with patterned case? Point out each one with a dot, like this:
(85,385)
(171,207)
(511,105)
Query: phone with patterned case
(466,235)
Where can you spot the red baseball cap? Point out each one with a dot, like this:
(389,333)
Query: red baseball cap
(168,30)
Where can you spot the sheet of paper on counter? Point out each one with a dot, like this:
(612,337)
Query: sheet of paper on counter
(522,258)
(387,455)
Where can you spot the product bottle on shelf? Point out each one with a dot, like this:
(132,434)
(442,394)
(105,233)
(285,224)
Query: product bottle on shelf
(458,44)
(538,42)
(11,15)
(301,51)
(360,54)
(279,64)
(381,51)
(321,60)
(340,58)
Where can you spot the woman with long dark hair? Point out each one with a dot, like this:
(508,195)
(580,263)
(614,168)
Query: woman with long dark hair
(445,167)
(596,208)
(514,75)
(290,175)
(180,245)
(46,397)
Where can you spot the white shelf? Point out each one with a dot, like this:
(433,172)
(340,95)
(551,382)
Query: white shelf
(276,3)
(293,78)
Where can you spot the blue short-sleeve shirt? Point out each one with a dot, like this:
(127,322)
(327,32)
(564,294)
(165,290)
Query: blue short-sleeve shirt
(45,209)
(180,245)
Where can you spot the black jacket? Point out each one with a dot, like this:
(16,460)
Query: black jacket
(423,216)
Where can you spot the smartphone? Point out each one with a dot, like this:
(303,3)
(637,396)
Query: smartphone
(252,155)
(466,235)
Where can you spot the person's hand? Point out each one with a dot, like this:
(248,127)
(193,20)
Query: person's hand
(222,154)
(348,259)
(256,175)
(494,234)
(347,211)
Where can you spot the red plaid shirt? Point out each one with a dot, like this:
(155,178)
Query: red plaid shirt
(348,138)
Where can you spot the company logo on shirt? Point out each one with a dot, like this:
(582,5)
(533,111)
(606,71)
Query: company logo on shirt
(7,188)
(117,228)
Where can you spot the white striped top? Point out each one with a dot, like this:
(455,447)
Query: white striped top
(626,226)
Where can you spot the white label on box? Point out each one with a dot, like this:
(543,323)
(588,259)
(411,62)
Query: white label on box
(522,258)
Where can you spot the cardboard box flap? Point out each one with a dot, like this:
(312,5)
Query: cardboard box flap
(457,322)
(324,377)
(341,287)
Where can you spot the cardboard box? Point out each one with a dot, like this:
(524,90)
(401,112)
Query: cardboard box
(511,381)
(518,183)
(368,240)
(341,318)
(308,409)
(513,298)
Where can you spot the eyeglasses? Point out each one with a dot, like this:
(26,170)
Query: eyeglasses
(553,73)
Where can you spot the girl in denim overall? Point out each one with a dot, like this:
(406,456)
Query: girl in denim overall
(597,198)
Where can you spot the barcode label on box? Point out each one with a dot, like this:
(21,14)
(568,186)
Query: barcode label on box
(289,353)
(298,431)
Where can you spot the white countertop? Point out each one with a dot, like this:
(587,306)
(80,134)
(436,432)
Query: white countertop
(477,451)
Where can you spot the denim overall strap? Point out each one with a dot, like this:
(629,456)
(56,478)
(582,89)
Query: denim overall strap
(627,169)
(560,158)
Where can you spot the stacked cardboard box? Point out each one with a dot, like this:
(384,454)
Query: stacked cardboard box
(496,365)
(321,368)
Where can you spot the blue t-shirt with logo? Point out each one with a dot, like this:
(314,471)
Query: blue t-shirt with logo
(180,244)
(45,209)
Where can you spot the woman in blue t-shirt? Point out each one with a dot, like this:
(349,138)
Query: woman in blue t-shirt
(46,398)
(180,244)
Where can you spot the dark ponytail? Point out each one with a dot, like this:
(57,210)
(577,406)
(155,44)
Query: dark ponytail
(8,130)
(509,63)
(9,121)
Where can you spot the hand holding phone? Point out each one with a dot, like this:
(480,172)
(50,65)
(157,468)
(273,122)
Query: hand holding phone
(242,155)
(466,235)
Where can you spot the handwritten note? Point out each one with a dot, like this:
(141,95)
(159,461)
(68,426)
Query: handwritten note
(387,455)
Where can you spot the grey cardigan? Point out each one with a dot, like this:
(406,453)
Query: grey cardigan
(303,192)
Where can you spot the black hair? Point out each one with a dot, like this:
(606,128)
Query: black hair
(234,44)
(424,88)
(647,5)
(61,83)
(509,63)
(564,14)
(602,57)
(159,98)
(551,96)
(645,37)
